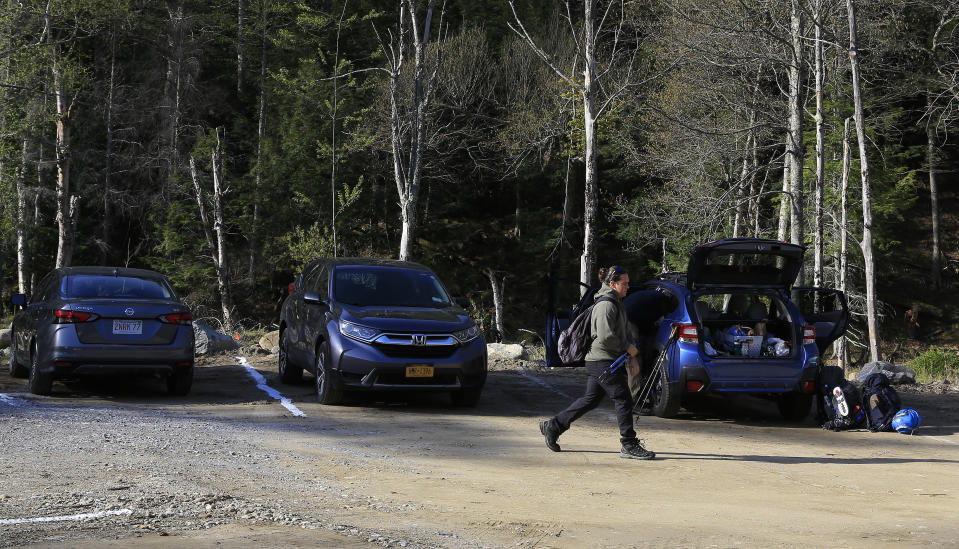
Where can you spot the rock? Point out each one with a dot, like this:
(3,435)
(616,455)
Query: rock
(270,340)
(505,351)
(207,340)
(896,374)
(4,339)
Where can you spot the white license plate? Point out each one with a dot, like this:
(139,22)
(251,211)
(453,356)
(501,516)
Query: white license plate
(134,327)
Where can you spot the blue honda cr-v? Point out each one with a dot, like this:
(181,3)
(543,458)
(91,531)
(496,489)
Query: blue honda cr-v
(741,326)
(375,325)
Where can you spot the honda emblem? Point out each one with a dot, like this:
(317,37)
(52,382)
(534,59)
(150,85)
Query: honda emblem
(419,339)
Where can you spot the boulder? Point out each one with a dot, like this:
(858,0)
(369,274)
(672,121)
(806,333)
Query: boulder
(4,339)
(270,340)
(505,351)
(209,341)
(896,374)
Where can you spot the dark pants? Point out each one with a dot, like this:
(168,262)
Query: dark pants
(615,386)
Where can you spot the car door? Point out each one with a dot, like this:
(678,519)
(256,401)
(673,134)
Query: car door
(558,318)
(314,314)
(33,314)
(827,310)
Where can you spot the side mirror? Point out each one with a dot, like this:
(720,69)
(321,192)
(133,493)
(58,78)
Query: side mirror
(313,298)
(462,302)
(19,300)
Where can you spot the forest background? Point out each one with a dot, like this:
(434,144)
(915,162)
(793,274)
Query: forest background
(227,143)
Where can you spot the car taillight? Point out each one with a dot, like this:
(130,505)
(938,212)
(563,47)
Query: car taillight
(291,287)
(808,335)
(694,386)
(688,333)
(177,318)
(65,316)
(808,386)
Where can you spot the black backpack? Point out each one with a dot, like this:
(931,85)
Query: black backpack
(574,342)
(880,401)
(841,402)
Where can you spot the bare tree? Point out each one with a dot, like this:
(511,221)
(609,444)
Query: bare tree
(866,244)
(596,99)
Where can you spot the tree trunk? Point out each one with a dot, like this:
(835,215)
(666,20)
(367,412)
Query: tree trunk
(785,198)
(841,348)
(820,151)
(240,23)
(795,143)
(204,218)
(867,251)
(64,109)
(223,267)
(934,203)
(260,136)
(496,283)
(22,276)
(107,220)
(588,261)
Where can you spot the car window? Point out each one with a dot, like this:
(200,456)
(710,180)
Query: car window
(311,283)
(88,286)
(381,286)
(308,278)
(322,285)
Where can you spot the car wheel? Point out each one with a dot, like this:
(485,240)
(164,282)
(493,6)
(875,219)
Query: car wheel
(180,381)
(794,406)
(326,390)
(40,383)
(289,373)
(664,404)
(16,370)
(466,398)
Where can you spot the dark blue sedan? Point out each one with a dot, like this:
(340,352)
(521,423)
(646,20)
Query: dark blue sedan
(102,320)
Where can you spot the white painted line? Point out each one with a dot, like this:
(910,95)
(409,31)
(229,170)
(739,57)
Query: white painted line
(273,393)
(83,516)
(942,439)
(540,382)
(15,402)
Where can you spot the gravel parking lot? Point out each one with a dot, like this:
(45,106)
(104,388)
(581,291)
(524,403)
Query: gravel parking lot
(123,464)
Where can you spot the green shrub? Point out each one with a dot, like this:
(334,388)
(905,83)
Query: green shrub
(935,364)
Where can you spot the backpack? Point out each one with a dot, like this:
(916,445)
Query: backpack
(841,402)
(880,401)
(574,342)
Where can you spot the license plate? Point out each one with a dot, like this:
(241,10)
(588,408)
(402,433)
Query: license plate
(419,371)
(134,327)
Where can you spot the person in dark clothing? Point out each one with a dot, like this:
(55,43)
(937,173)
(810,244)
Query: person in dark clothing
(611,338)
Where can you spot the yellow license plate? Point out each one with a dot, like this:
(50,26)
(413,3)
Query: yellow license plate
(419,371)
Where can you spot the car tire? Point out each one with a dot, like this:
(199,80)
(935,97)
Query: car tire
(289,373)
(40,383)
(180,381)
(326,390)
(466,398)
(794,406)
(16,370)
(664,404)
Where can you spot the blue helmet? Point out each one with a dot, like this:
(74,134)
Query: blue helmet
(907,421)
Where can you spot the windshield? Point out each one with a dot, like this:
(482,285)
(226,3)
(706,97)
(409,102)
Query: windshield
(85,286)
(379,286)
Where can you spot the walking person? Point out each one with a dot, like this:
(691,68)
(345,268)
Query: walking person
(609,330)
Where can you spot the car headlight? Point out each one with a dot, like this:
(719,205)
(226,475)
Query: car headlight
(356,331)
(468,334)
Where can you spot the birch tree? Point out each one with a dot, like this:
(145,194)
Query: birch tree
(596,88)
(867,219)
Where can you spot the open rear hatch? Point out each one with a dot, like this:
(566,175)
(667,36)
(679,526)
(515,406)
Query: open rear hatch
(744,262)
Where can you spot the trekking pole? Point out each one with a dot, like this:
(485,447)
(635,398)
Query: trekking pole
(658,369)
(611,369)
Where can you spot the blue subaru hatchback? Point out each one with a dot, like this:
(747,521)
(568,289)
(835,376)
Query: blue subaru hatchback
(741,326)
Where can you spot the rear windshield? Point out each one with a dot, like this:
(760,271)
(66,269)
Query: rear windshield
(85,285)
(379,286)
(735,267)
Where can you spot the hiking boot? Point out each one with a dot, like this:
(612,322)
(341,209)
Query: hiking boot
(551,431)
(633,449)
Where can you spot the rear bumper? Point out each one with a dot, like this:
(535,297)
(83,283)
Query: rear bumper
(751,385)
(66,356)
(360,367)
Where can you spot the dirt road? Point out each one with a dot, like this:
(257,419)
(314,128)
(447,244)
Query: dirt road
(229,465)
